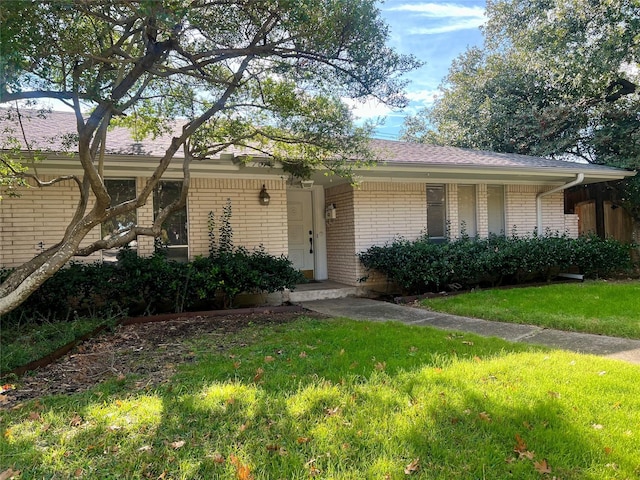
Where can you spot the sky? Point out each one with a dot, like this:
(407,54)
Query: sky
(435,32)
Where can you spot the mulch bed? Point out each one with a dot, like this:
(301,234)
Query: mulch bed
(151,350)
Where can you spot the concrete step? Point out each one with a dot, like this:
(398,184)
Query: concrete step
(305,295)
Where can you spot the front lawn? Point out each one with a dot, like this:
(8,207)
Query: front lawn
(346,400)
(600,307)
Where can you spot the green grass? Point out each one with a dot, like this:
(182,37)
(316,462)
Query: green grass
(22,344)
(600,307)
(345,400)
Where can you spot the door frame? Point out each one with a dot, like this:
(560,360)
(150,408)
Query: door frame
(320,270)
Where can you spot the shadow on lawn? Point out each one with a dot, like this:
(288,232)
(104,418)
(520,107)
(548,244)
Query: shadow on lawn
(299,419)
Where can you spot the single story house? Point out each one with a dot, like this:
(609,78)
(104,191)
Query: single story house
(319,224)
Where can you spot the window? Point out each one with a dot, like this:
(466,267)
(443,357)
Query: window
(436,212)
(120,191)
(467,210)
(174,229)
(495,209)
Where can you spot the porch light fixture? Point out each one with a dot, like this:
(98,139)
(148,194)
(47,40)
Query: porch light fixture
(265,198)
(306,184)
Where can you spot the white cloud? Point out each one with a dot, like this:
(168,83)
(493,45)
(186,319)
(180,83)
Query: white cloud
(444,17)
(370,108)
(426,97)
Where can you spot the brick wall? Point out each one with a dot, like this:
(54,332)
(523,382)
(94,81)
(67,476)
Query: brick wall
(41,215)
(341,248)
(36,220)
(253,224)
(521,211)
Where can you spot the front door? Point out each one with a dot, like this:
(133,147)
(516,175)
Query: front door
(300,228)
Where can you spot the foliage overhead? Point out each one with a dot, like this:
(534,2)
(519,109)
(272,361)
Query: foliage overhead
(554,78)
(269,74)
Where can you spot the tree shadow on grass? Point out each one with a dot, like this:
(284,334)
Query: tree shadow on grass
(445,419)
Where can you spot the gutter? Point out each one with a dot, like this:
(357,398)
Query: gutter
(579,179)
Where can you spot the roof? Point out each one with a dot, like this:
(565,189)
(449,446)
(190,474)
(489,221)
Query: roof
(399,160)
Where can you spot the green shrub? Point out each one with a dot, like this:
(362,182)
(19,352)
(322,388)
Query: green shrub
(147,285)
(421,265)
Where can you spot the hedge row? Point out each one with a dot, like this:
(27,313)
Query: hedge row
(421,266)
(146,285)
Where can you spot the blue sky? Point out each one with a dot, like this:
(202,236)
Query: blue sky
(435,32)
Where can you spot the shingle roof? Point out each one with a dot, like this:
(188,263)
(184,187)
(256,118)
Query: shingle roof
(51,132)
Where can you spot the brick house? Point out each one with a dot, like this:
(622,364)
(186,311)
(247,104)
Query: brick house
(320,225)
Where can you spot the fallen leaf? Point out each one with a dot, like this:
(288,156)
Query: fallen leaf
(302,440)
(243,427)
(34,416)
(230,401)
(521,446)
(467,342)
(177,444)
(542,466)
(353,365)
(6,387)
(78,473)
(527,425)
(145,448)
(3,399)
(413,467)
(413,349)
(114,428)
(608,450)
(242,471)
(485,417)
(303,354)
(76,420)
(236,365)
(217,458)
(258,375)
(9,473)
(528,455)
(380,366)
(269,359)
(341,352)
(553,394)
(597,426)
(332,411)
(273,447)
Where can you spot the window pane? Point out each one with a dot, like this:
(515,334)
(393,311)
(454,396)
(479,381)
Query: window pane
(467,209)
(174,229)
(436,217)
(120,191)
(495,209)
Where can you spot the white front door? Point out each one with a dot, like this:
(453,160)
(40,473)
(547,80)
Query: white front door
(300,228)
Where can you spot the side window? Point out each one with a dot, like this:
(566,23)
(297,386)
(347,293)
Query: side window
(120,191)
(174,229)
(495,209)
(467,210)
(436,212)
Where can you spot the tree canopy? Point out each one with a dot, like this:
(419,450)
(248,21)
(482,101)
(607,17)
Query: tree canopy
(269,74)
(554,78)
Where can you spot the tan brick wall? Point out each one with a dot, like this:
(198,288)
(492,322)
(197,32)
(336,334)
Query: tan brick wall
(521,211)
(482,212)
(37,219)
(341,249)
(42,214)
(253,224)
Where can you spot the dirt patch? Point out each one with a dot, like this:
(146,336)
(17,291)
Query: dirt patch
(151,350)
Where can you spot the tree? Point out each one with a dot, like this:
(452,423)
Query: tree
(555,78)
(268,74)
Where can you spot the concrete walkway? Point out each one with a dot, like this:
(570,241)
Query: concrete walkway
(367,309)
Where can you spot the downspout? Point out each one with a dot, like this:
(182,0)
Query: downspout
(579,179)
